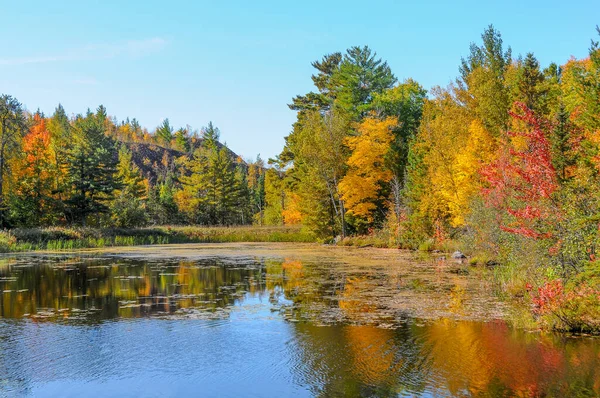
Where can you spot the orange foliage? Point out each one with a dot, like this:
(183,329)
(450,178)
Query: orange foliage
(291,214)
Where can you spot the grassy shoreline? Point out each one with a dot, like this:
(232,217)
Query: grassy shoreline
(64,238)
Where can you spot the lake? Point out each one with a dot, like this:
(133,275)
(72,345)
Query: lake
(266,320)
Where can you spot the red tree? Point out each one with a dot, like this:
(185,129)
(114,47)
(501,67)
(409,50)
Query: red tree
(521,181)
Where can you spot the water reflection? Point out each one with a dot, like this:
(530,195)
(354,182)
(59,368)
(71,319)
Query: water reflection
(446,358)
(291,325)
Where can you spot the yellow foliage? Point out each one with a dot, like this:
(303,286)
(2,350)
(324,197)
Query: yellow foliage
(454,147)
(361,186)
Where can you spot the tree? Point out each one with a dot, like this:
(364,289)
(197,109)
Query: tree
(319,165)
(210,191)
(161,206)
(33,177)
(164,133)
(256,187)
(360,76)
(530,85)
(12,128)
(60,141)
(523,179)
(405,102)
(481,85)
(364,184)
(182,140)
(128,207)
(323,80)
(91,168)
(274,196)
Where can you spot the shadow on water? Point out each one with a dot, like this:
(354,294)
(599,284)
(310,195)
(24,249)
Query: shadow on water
(279,321)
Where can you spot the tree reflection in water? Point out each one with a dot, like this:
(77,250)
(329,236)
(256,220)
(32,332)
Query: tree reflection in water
(340,338)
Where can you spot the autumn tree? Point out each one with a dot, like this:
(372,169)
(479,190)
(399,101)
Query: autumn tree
(363,187)
(275,197)
(522,180)
(32,202)
(319,165)
(13,127)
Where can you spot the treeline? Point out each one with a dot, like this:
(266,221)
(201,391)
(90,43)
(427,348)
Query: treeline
(92,170)
(504,162)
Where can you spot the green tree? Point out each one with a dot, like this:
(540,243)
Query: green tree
(530,88)
(164,133)
(91,168)
(60,141)
(256,187)
(128,207)
(324,82)
(274,196)
(405,102)
(161,206)
(182,140)
(209,188)
(13,127)
(359,78)
(481,85)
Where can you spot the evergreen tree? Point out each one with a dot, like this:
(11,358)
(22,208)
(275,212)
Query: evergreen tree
(360,76)
(91,168)
(209,191)
(164,133)
(128,207)
(161,207)
(182,140)
(60,141)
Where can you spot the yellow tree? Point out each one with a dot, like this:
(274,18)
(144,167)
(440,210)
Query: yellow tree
(453,146)
(363,184)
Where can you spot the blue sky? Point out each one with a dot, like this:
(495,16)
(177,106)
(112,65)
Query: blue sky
(238,63)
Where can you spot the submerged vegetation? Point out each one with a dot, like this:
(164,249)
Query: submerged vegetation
(502,164)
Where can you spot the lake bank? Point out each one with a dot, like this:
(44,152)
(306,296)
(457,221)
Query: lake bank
(65,238)
(298,319)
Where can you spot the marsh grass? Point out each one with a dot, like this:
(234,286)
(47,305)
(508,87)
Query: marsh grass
(60,239)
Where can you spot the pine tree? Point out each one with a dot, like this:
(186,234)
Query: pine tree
(164,133)
(209,190)
(128,207)
(91,168)
(60,141)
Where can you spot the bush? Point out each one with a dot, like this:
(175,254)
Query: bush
(575,307)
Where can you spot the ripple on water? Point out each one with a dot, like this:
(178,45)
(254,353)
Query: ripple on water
(281,320)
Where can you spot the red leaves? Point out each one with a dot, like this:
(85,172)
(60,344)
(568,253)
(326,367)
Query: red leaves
(548,298)
(522,179)
(553,298)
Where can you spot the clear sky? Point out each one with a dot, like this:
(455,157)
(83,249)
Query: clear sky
(238,63)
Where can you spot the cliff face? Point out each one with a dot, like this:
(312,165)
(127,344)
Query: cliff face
(155,161)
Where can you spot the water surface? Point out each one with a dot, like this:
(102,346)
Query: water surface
(270,320)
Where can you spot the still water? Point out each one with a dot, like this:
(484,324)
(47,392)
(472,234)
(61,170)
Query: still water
(270,320)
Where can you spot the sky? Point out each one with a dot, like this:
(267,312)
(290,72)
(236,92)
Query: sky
(239,63)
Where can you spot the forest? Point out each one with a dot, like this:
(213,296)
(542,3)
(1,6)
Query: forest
(503,163)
